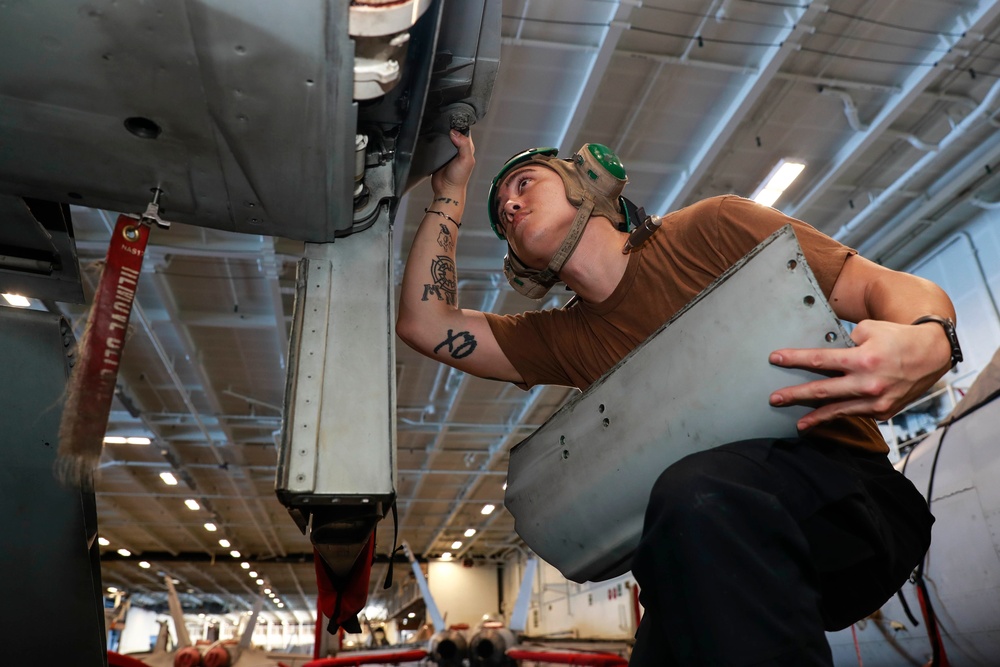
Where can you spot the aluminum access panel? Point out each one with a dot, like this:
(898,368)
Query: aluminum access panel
(578,486)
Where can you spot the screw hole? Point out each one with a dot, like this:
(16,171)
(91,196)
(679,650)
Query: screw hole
(143,128)
(809,300)
(565,453)
(600,408)
(607,422)
(792,264)
(831,337)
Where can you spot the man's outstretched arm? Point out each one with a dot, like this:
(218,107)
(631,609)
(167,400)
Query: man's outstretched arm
(429,319)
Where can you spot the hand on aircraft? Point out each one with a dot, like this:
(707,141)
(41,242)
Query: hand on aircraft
(454,175)
(890,366)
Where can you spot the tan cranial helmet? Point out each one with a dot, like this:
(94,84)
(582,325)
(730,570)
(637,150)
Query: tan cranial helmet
(593,178)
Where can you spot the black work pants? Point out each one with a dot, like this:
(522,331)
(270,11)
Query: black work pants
(750,551)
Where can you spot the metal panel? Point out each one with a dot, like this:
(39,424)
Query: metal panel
(49,552)
(578,486)
(338,442)
(960,466)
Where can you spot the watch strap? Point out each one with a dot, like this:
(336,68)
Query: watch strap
(949,329)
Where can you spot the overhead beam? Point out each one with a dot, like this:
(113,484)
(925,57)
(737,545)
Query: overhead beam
(969,26)
(740,106)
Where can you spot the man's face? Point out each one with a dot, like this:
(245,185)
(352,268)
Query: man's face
(533,213)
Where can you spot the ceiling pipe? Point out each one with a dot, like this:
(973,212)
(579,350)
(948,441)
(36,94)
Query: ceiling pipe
(853,231)
(740,106)
(967,25)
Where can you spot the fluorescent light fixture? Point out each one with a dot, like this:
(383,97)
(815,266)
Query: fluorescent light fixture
(192,504)
(103,541)
(234,553)
(210,527)
(488,509)
(115,440)
(144,565)
(446,555)
(470,532)
(224,544)
(17,300)
(125,552)
(168,478)
(456,545)
(245,566)
(138,440)
(786,171)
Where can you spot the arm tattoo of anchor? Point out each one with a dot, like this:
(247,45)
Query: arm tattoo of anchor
(460,344)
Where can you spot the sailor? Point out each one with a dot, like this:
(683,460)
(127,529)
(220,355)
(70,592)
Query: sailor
(750,550)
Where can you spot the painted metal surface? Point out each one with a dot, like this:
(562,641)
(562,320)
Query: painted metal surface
(338,440)
(958,466)
(578,486)
(50,551)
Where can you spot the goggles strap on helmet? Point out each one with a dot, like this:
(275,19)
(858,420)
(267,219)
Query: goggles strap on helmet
(569,244)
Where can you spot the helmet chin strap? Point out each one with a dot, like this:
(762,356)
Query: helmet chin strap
(551,273)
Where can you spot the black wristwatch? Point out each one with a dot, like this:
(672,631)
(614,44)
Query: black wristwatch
(949,331)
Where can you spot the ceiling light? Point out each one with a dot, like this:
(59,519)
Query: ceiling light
(17,300)
(114,440)
(281,605)
(470,532)
(252,574)
(224,544)
(505,486)
(266,591)
(488,509)
(210,527)
(270,595)
(260,582)
(456,545)
(138,440)
(144,565)
(234,553)
(786,171)
(446,555)
(168,478)
(103,542)
(112,589)
(192,504)
(411,615)
(245,566)
(125,552)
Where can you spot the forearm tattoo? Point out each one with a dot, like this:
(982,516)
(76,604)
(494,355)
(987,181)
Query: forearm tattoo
(459,345)
(444,286)
(447,200)
(446,240)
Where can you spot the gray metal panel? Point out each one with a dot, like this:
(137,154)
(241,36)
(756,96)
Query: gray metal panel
(52,569)
(962,567)
(338,441)
(578,486)
(254,100)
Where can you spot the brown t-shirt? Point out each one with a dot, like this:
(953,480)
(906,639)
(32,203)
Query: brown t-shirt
(575,346)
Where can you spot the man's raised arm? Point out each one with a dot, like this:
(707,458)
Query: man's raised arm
(429,318)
